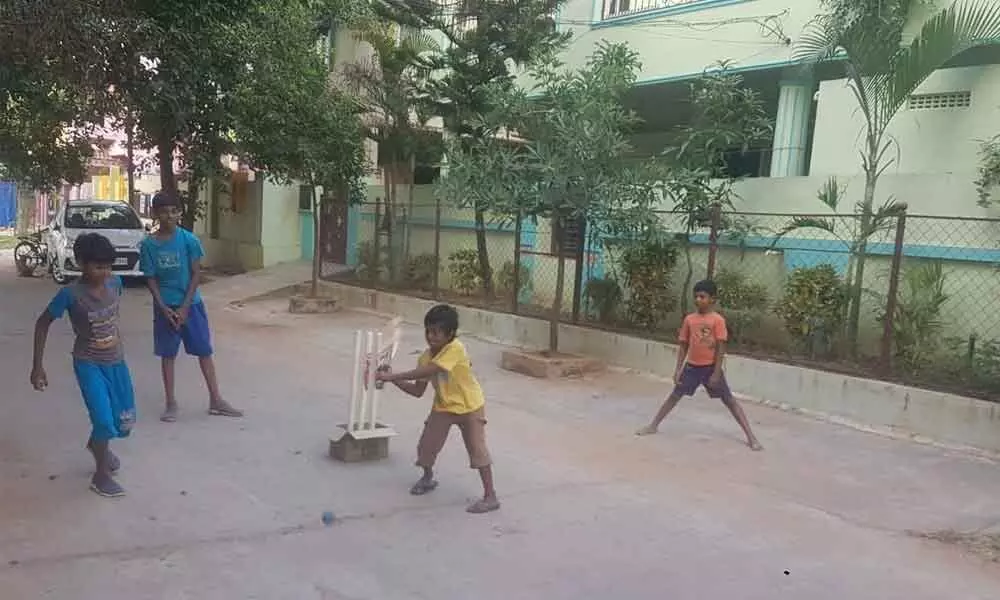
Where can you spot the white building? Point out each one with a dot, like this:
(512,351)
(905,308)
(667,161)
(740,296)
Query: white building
(817,125)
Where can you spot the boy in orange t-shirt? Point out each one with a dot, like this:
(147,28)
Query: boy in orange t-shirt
(702,349)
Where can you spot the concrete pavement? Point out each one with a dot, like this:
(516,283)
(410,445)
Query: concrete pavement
(221,509)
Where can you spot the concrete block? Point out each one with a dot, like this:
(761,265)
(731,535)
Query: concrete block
(307,305)
(350,449)
(548,366)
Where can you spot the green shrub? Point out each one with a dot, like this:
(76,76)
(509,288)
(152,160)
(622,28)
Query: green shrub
(604,295)
(505,280)
(737,292)
(647,266)
(466,276)
(813,305)
(916,326)
(420,270)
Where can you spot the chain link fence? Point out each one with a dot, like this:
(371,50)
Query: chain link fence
(897,296)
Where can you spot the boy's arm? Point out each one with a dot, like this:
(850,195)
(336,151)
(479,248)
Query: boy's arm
(721,333)
(192,284)
(720,357)
(683,341)
(682,352)
(38,378)
(413,388)
(195,252)
(423,372)
(148,265)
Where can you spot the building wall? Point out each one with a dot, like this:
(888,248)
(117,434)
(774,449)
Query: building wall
(238,243)
(675,43)
(931,140)
(281,233)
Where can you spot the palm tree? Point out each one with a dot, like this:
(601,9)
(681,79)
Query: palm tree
(389,84)
(883,70)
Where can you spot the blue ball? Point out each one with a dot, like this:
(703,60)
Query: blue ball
(328,518)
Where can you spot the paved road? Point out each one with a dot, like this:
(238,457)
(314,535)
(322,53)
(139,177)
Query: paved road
(231,510)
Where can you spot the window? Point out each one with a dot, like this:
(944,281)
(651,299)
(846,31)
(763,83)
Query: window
(101,216)
(940,101)
(617,8)
(571,234)
(305,198)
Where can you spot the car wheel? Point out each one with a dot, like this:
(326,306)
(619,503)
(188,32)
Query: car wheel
(58,275)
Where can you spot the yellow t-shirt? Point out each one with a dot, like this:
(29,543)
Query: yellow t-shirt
(456,389)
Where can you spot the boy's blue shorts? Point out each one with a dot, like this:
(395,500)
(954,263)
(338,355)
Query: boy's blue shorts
(195,334)
(107,392)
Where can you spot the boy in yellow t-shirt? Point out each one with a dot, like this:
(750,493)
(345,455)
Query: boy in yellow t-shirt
(458,400)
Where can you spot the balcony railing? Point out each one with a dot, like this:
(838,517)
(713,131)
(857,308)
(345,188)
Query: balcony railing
(619,8)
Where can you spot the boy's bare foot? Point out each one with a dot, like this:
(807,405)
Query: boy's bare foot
(483,505)
(169,414)
(221,408)
(755,446)
(647,430)
(104,485)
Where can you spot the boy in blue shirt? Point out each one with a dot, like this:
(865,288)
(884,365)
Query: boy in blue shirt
(171,261)
(98,357)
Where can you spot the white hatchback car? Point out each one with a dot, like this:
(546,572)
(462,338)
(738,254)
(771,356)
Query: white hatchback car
(116,221)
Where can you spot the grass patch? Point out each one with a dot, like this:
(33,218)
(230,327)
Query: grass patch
(7,242)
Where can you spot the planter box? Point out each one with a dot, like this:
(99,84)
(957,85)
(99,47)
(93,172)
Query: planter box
(548,366)
(308,305)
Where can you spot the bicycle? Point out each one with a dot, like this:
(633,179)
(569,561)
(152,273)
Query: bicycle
(30,253)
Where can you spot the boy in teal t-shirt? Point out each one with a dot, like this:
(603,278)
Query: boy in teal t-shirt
(171,261)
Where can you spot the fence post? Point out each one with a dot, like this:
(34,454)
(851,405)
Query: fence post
(377,245)
(516,293)
(713,238)
(437,248)
(892,296)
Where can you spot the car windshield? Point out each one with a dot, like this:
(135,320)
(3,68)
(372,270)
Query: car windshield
(101,216)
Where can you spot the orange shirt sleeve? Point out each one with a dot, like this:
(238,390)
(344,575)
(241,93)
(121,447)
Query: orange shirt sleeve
(719,329)
(684,335)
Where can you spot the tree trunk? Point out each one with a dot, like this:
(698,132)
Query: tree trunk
(165,156)
(686,289)
(854,318)
(578,271)
(557,302)
(388,184)
(409,207)
(484,253)
(129,149)
(317,260)
(390,224)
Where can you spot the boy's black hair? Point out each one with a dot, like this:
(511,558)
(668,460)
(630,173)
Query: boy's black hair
(707,286)
(442,316)
(164,199)
(93,248)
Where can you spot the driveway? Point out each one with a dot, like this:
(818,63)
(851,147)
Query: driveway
(227,510)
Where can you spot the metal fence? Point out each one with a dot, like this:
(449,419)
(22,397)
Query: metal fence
(907,297)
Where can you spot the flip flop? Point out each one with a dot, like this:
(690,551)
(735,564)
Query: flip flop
(423,487)
(483,506)
(169,415)
(225,410)
(108,489)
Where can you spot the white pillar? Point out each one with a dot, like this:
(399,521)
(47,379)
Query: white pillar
(791,128)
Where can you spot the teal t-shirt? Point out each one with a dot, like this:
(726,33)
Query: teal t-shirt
(169,262)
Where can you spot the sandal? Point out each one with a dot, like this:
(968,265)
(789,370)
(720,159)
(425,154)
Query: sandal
(169,415)
(423,487)
(224,410)
(483,505)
